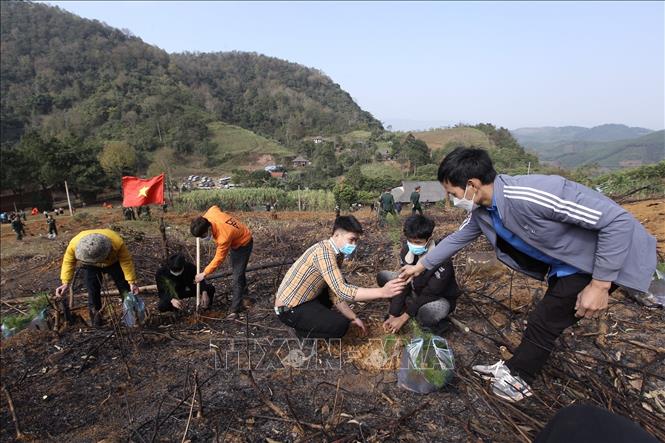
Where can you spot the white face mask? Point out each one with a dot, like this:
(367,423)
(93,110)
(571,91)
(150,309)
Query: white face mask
(465,203)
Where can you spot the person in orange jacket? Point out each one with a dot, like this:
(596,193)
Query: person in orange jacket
(232,237)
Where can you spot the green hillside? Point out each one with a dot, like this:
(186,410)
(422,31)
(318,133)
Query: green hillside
(440,138)
(238,147)
(508,155)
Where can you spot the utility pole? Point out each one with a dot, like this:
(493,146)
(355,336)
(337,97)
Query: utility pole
(69,202)
(528,171)
(299,204)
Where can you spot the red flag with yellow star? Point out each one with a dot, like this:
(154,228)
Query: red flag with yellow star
(142,191)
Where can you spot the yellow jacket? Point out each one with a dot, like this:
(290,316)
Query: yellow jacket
(118,252)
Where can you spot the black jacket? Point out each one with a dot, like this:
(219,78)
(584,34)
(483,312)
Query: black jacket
(183,285)
(433,284)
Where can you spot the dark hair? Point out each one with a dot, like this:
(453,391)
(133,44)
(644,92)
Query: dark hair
(417,187)
(463,164)
(348,223)
(176,262)
(418,226)
(199,227)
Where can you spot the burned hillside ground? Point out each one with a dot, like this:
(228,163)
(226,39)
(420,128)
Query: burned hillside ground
(182,376)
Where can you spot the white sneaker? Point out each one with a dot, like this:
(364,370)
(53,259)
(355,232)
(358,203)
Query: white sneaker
(511,387)
(489,372)
(504,385)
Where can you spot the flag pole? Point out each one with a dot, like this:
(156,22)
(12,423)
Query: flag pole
(69,202)
(198,271)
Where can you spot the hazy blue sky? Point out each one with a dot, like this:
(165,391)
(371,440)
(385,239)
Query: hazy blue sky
(513,64)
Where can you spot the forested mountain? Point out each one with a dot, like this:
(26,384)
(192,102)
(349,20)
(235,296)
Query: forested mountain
(270,96)
(82,84)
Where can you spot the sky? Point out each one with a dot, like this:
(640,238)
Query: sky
(416,65)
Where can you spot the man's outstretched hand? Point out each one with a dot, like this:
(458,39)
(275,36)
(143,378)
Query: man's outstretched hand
(393,287)
(408,272)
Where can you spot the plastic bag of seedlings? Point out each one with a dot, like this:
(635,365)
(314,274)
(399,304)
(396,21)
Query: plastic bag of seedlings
(427,364)
(655,296)
(133,310)
(38,321)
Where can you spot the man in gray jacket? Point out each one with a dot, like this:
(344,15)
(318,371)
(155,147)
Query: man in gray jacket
(549,228)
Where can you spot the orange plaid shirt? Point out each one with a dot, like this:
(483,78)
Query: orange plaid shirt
(315,269)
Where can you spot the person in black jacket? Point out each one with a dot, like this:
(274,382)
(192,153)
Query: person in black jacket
(432,295)
(52,228)
(175,281)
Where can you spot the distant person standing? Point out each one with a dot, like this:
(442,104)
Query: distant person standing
(52,228)
(17,226)
(415,201)
(387,206)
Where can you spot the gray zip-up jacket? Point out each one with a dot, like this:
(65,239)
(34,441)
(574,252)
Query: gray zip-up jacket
(567,221)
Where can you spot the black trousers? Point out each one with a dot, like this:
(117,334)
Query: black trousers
(92,276)
(416,208)
(590,424)
(165,303)
(316,319)
(239,259)
(551,316)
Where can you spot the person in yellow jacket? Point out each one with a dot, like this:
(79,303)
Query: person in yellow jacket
(100,251)
(233,238)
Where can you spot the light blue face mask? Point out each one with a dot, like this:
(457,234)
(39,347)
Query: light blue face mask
(347,249)
(416,249)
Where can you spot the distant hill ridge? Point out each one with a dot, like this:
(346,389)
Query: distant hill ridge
(602,133)
(611,146)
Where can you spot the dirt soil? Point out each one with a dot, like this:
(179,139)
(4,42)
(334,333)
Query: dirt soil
(212,379)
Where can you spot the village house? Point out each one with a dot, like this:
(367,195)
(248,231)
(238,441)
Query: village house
(301,162)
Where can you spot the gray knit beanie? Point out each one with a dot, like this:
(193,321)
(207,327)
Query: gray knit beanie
(93,248)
